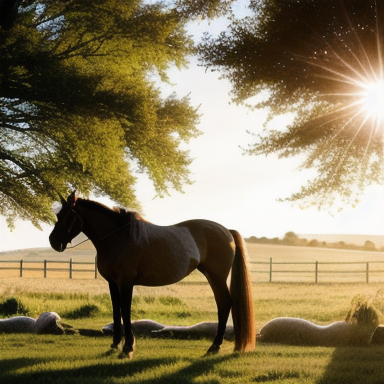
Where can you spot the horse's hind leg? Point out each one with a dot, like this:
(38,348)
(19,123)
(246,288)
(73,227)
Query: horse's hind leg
(224,303)
(115,297)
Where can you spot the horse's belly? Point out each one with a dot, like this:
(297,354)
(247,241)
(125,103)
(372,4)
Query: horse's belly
(166,273)
(166,259)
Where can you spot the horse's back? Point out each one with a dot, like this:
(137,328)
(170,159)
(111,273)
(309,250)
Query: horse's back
(173,252)
(214,241)
(205,231)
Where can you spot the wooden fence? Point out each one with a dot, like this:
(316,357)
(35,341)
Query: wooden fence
(261,271)
(51,268)
(318,272)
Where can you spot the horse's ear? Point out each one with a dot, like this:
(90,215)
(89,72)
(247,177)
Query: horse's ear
(72,198)
(62,200)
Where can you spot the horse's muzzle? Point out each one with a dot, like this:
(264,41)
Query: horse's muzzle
(57,244)
(58,247)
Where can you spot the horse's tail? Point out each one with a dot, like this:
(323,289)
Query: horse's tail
(242,302)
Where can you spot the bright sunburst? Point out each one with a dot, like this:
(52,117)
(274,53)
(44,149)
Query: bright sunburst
(373,100)
(355,77)
(349,74)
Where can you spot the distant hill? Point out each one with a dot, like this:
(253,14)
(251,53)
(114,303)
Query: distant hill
(348,239)
(86,248)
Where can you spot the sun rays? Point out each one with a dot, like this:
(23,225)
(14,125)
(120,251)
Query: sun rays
(352,68)
(346,112)
(357,91)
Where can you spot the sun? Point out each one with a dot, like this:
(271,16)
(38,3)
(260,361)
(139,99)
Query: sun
(373,99)
(357,90)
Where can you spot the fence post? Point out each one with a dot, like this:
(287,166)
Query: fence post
(21,268)
(96,266)
(270,269)
(45,268)
(316,271)
(70,268)
(367,273)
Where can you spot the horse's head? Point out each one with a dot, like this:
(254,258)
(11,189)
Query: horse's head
(69,224)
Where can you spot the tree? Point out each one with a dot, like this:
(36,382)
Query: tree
(291,238)
(313,243)
(369,245)
(79,104)
(322,61)
(8,12)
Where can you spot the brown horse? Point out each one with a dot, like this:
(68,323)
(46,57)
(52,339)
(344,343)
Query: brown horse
(132,251)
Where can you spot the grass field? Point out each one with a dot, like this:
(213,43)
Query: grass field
(85,357)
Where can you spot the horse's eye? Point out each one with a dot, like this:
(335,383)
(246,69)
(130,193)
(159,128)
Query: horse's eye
(56,207)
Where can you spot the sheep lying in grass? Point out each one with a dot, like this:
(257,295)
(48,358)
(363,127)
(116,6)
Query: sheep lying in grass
(151,328)
(47,322)
(358,328)
(294,331)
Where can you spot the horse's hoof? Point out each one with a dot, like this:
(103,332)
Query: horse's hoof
(213,350)
(126,355)
(114,346)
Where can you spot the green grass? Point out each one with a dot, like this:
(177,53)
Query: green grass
(77,359)
(85,357)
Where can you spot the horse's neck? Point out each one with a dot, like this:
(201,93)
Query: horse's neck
(96,224)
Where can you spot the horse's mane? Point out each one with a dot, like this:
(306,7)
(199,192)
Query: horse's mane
(134,221)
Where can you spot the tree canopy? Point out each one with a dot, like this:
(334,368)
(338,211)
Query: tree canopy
(322,61)
(80,105)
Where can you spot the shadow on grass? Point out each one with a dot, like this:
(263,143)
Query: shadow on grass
(190,373)
(105,371)
(355,365)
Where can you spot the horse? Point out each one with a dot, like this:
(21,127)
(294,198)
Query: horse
(132,251)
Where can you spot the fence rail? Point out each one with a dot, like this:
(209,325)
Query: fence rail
(261,271)
(315,271)
(70,266)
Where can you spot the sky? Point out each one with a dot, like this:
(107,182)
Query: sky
(233,189)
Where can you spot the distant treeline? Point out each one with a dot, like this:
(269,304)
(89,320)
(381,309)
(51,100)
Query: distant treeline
(290,238)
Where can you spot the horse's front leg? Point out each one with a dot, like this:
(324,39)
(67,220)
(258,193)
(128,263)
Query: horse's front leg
(126,291)
(116,305)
